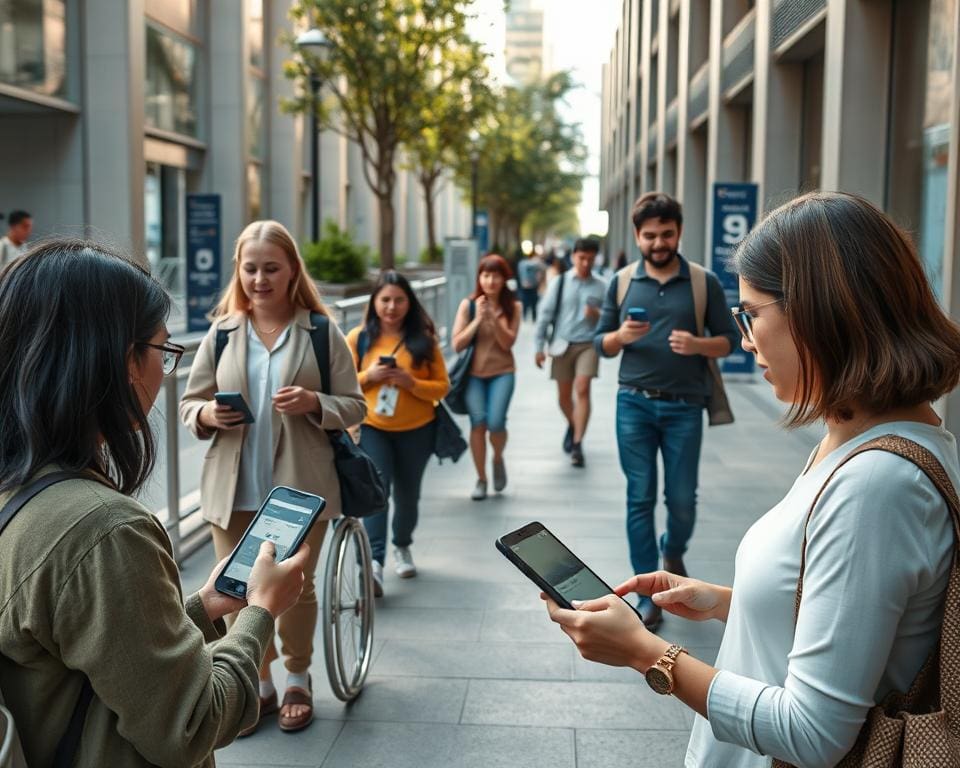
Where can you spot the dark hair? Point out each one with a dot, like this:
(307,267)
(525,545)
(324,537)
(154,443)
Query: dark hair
(588,244)
(656,205)
(15,217)
(419,332)
(71,314)
(495,263)
(867,327)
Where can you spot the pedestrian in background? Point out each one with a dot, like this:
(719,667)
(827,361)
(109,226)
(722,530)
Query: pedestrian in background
(837,310)
(565,331)
(403,377)
(14,243)
(93,627)
(490,320)
(530,275)
(269,358)
(665,382)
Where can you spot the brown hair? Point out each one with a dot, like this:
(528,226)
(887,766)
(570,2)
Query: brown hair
(303,291)
(869,331)
(493,262)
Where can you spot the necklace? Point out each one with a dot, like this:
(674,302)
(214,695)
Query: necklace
(262,331)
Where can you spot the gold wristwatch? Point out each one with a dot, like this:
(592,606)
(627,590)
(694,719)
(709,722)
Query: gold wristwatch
(660,675)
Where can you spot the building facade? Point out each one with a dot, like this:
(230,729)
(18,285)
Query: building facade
(793,95)
(524,53)
(112,112)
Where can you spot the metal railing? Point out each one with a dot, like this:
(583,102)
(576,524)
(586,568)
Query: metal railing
(181,515)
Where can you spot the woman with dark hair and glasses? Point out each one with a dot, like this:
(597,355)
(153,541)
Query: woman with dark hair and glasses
(489,318)
(841,319)
(403,376)
(93,628)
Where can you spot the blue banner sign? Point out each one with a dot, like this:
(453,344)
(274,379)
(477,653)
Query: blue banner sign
(481,228)
(203,259)
(734,214)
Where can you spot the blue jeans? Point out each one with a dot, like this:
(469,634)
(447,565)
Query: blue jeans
(488,400)
(676,430)
(401,458)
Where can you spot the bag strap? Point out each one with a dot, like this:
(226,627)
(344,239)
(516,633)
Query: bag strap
(223,336)
(624,276)
(70,741)
(948,645)
(698,284)
(320,339)
(556,308)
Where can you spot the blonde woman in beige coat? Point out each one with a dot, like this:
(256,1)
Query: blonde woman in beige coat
(270,360)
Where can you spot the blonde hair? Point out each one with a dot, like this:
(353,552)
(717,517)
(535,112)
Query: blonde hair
(303,291)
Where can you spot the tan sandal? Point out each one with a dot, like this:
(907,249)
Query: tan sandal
(296,697)
(268,706)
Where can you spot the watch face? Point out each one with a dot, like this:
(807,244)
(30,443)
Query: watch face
(659,680)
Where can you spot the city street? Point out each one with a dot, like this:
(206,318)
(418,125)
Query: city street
(468,670)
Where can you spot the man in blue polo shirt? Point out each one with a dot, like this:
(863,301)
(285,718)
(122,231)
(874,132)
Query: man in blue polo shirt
(665,382)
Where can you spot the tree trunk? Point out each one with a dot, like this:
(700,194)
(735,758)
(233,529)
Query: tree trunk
(387,227)
(428,185)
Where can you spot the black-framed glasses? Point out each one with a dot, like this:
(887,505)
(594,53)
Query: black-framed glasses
(744,319)
(171,355)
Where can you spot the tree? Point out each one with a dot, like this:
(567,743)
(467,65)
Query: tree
(380,52)
(531,160)
(448,112)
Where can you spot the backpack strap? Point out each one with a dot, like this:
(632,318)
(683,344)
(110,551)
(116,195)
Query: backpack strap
(320,338)
(698,284)
(556,308)
(624,276)
(70,741)
(363,346)
(223,336)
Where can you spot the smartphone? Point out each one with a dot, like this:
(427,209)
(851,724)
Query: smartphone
(235,400)
(285,518)
(637,314)
(551,566)
(389,360)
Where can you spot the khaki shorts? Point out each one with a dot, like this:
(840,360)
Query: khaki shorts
(578,360)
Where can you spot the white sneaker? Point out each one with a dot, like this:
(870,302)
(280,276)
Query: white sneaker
(377,579)
(404,567)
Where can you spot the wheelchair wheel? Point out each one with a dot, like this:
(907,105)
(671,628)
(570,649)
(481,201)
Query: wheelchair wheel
(348,609)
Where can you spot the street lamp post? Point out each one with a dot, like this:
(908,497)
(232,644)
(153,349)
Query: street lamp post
(315,43)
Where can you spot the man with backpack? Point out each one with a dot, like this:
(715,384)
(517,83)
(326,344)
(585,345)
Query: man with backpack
(670,319)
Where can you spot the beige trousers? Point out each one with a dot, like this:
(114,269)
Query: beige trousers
(296,627)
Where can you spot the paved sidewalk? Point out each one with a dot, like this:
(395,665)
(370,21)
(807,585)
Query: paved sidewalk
(468,670)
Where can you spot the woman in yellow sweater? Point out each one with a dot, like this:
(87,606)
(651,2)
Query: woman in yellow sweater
(403,376)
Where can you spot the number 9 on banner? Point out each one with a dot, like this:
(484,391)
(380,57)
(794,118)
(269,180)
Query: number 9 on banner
(735,228)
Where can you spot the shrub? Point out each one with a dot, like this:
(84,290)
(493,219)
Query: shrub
(431,257)
(336,258)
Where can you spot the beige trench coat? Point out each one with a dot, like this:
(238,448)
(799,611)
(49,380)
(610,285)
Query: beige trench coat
(302,456)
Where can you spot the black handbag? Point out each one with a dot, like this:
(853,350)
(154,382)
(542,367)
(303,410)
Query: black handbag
(448,442)
(362,490)
(459,374)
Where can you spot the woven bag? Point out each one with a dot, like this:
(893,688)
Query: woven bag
(919,729)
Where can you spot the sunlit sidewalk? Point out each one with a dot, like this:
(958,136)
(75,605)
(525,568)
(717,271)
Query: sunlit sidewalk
(468,671)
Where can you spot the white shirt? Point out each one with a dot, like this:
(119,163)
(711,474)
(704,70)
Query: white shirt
(10,251)
(879,547)
(256,457)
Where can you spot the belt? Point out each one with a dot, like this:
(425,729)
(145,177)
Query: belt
(659,394)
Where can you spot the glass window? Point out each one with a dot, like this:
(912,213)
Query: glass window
(922,88)
(255,32)
(255,104)
(33,45)
(171,89)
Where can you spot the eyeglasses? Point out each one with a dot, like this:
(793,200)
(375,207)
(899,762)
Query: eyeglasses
(171,355)
(744,319)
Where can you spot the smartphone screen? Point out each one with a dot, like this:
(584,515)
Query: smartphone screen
(556,567)
(235,400)
(285,518)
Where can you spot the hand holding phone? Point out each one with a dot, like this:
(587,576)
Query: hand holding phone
(638,314)
(388,360)
(283,520)
(235,402)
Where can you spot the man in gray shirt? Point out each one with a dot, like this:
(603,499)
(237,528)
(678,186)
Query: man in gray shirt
(664,383)
(571,309)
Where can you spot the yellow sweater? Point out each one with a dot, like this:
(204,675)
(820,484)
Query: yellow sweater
(415,406)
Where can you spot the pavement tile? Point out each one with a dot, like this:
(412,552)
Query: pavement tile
(520,661)
(427,623)
(389,745)
(271,746)
(630,749)
(399,699)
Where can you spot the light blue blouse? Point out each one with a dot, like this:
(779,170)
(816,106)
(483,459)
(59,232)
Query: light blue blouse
(263,379)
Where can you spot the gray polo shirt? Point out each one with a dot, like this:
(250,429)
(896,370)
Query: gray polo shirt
(649,363)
